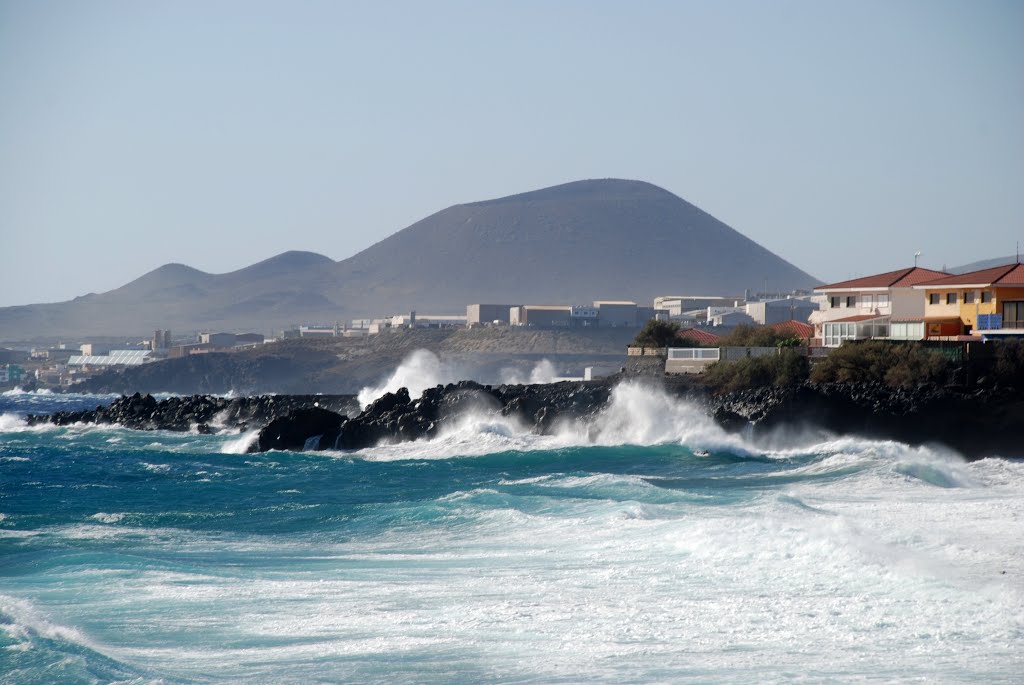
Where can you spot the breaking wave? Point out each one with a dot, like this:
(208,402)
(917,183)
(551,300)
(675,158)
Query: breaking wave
(644,545)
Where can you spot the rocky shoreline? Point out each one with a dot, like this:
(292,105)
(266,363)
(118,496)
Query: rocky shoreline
(204,413)
(976,423)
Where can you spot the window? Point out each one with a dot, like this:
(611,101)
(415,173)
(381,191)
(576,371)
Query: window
(883,300)
(851,300)
(867,301)
(1013,314)
(836,333)
(968,297)
(834,301)
(986,295)
(933,298)
(913,330)
(950,298)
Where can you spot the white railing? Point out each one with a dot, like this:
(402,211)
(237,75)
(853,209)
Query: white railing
(694,353)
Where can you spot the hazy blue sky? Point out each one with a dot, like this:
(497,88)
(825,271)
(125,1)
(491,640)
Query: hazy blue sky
(843,136)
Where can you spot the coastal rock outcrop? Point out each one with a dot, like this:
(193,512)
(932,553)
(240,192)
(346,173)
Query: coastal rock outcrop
(145,412)
(300,430)
(974,422)
(397,417)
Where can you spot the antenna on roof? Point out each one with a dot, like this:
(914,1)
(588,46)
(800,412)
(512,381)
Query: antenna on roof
(916,255)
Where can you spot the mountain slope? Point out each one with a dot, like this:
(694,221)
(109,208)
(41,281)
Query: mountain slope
(573,243)
(276,292)
(983,264)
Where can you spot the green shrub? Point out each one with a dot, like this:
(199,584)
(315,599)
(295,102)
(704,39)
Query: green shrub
(657,333)
(789,367)
(746,335)
(895,364)
(1009,366)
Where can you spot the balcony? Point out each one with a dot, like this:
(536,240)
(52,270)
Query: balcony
(995,323)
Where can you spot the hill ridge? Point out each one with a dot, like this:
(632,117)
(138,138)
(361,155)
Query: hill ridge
(571,243)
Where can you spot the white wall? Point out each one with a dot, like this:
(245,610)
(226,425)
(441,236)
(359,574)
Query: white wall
(907,303)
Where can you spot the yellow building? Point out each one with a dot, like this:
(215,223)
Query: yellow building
(988,302)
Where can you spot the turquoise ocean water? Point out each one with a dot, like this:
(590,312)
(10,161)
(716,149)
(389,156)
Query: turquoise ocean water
(646,547)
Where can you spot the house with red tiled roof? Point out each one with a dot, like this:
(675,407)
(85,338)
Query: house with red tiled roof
(699,336)
(987,302)
(796,329)
(863,308)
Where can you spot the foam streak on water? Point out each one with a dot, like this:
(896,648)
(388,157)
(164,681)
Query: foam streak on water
(608,552)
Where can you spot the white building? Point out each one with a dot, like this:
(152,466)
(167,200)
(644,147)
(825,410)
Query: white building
(678,305)
(116,358)
(768,312)
(864,308)
(414,320)
(615,313)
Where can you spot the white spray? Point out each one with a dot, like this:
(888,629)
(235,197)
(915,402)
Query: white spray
(420,370)
(542,373)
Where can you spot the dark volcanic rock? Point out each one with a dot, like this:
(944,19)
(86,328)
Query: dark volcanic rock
(977,423)
(299,430)
(145,412)
(396,417)
(974,422)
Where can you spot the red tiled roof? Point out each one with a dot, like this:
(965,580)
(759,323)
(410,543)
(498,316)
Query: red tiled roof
(1007,274)
(698,335)
(798,329)
(903,278)
(858,317)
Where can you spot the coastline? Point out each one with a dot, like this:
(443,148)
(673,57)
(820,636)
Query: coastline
(973,423)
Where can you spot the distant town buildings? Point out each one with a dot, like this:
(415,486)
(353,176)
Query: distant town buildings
(907,304)
(11,374)
(480,314)
(161,341)
(769,312)
(600,314)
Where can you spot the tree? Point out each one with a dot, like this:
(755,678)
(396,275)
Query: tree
(657,333)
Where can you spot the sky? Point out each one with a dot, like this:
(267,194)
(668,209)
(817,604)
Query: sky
(843,136)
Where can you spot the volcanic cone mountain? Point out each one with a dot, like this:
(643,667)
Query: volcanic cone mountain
(572,243)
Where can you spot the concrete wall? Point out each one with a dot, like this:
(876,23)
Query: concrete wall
(218,339)
(94,349)
(639,365)
(487,313)
(616,315)
(690,360)
(907,303)
(542,316)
